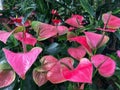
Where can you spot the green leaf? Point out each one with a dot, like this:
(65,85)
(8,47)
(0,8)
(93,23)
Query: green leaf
(35,25)
(4,66)
(118,85)
(85,4)
(19,29)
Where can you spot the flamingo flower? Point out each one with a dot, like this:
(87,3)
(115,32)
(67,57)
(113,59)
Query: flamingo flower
(19,21)
(21,62)
(91,41)
(118,53)
(4,36)
(6,77)
(58,71)
(82,73)
(105,65)
(77,53)
(28,39)
(75,20)
(112,22)
(46,31)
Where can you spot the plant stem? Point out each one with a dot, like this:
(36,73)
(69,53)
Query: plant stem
(23,44)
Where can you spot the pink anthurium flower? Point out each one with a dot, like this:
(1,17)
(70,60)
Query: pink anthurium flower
(39,76)
(28,39)
(46,31)
(105,65)
(6,77)
(4,36)
(118,53)
(75,20)
(82,73)
(62,30)
(77,53)
(82,40)
(55,75)
(95,40)
(113,22)
(19,21)
(21,62)
(48,62)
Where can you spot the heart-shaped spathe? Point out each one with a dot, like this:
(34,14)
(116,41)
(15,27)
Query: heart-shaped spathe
(82,73)
(21,62)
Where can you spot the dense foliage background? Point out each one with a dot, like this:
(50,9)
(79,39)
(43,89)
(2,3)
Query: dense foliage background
(40,10)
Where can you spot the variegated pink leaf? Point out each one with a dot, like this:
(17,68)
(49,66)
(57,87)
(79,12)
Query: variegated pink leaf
(82,40)
(46,31)
(39,76)
(28,39)
(95,40)
(6,77)
(75,20)
(21,62)
(105,65)
(62,30)
(77,53)
(4,36)
(118,53)
(82,73)
(113,23)
(55,75)
(48,62)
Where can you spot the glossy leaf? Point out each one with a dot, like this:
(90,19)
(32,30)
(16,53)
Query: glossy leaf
(21,62)
(28,39)
(6,77)
(82,73)
(105,65)
(77,53)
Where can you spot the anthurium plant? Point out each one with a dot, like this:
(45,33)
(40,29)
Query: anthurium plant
(63,54)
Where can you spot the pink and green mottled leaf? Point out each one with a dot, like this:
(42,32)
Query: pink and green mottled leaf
(118,53)
(6,77)
(46,31)
(21,62)
(77,53)
(82,73)
(75,20)
(105,65)
(48,62)
(28,39)
(95,40)
(55,75)
(4,36)
(113,23)
(39,76)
